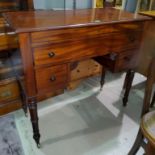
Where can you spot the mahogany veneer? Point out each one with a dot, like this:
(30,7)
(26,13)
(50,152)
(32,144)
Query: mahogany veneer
(50,41)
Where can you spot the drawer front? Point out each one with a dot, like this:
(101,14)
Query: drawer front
(51,78)
(116,62)
(124,41)
(127,60)
(72,51)
(63,35)
(9,91)
(8,41)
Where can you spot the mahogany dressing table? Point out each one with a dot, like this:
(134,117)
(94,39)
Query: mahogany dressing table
(51,40)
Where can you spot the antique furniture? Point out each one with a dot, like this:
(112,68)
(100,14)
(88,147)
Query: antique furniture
(9,90)
(50,41)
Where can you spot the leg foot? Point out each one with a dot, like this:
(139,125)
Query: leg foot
(32,104)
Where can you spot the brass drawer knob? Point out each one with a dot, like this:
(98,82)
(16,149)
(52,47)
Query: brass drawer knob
(51,54)
(52,78)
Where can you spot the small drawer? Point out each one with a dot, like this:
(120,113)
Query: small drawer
(123,41)
(51,78)
(126,60)
(116,62)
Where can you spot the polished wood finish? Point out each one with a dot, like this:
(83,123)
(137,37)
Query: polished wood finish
(50,20)
(50,41)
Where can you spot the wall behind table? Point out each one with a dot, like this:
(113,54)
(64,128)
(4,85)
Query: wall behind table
(60,4)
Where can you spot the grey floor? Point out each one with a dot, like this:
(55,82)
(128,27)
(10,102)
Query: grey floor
(87,121)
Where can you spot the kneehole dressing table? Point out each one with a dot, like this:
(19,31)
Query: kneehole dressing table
(51,40)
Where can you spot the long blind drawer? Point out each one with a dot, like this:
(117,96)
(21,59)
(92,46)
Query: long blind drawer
(70,34)
(71,51)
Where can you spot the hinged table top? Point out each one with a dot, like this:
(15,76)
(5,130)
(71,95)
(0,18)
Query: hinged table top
(30,21)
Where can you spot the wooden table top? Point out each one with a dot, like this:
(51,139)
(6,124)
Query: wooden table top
(47,20)
(148,13)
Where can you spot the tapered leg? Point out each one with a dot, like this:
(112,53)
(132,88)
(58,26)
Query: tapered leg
(32,104)
(138,142)
(126,79)
(102,77)
(127,85)
(153,100)
(24,103)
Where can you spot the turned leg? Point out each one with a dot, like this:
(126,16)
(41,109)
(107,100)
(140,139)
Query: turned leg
(127,85)
(138,142)
(24,103)
(153,100)
(32,104)
(23,97)
(102,77)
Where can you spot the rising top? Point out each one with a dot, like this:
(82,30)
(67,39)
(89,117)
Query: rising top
(29,21)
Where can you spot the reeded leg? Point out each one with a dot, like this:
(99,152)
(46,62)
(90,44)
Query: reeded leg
(102,77)
(138,142)
(23,97)
(153,100)
(32,104)
(24,103)
(127,85)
